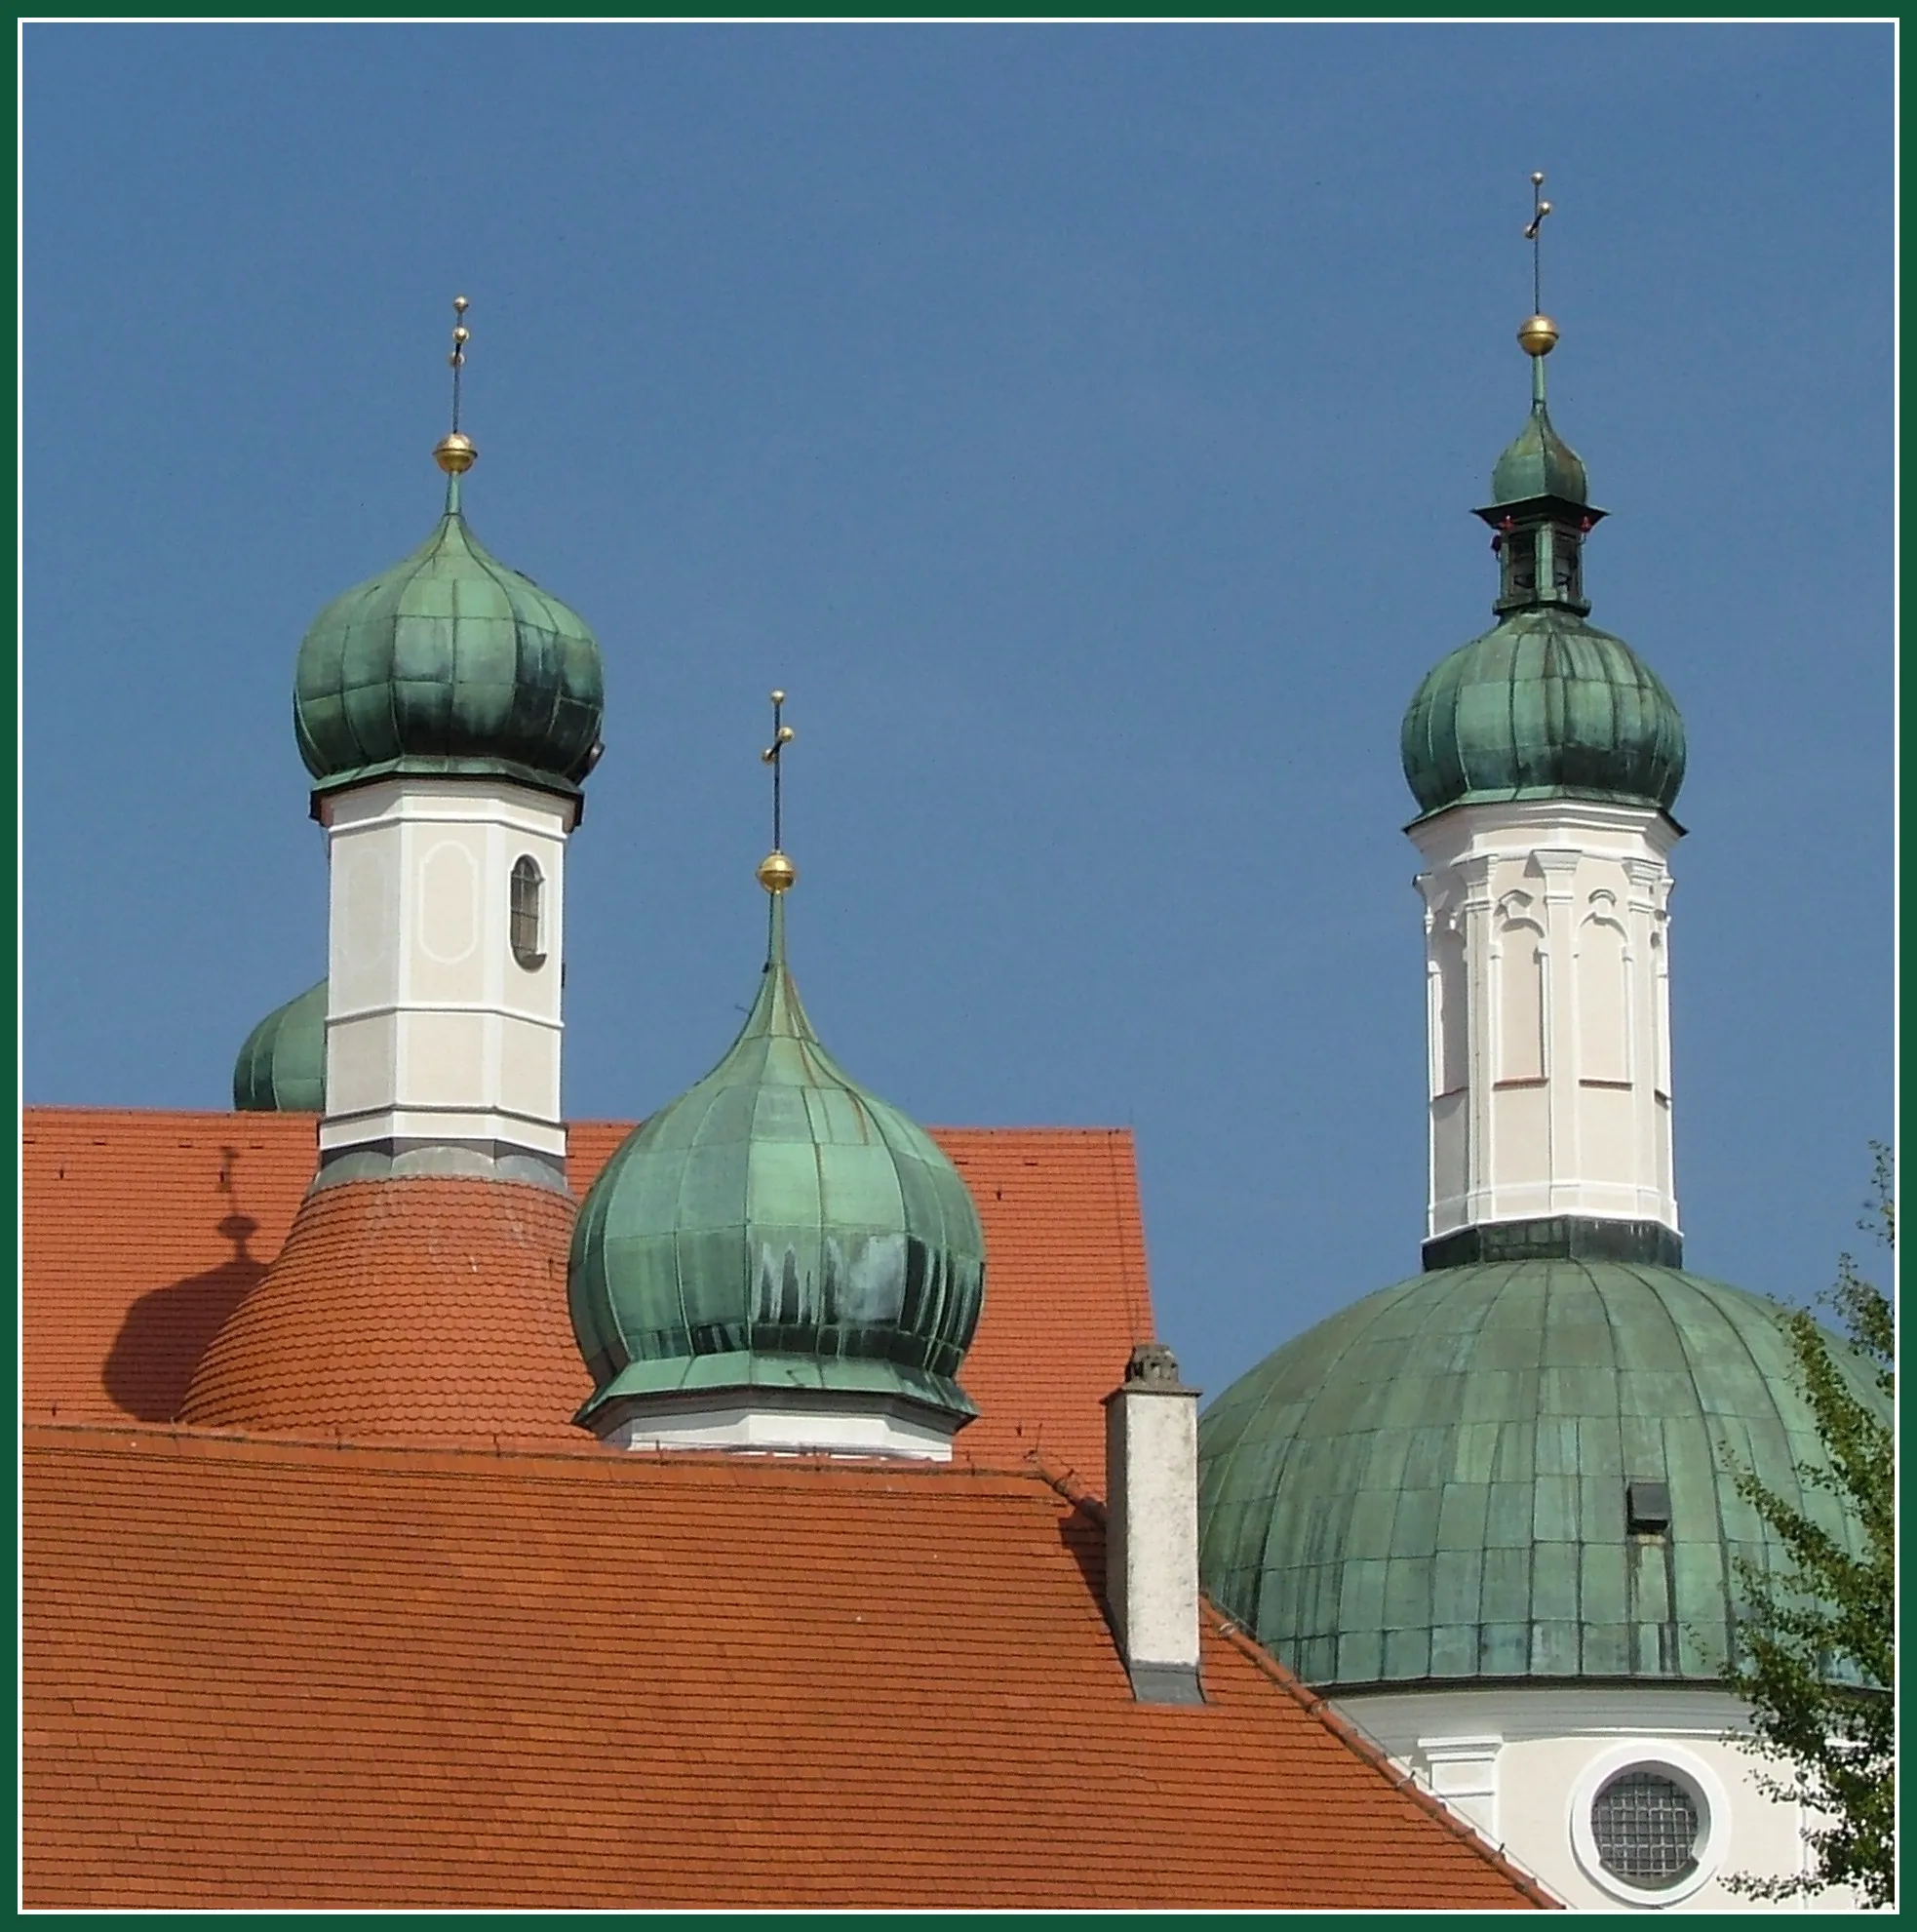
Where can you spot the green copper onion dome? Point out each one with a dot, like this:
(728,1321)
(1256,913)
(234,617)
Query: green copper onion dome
(777,1227)
(1545,704)
(1542,705)
(451,663)
(282,1067)
(1510,1470)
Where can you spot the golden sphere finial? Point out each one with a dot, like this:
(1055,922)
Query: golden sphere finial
(776,871)
(455,454)
(1537,335)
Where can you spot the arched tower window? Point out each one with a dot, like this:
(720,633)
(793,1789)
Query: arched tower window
(1604,997)
(1520,994)
(1661,1014)
(529,913)
(1450,1042)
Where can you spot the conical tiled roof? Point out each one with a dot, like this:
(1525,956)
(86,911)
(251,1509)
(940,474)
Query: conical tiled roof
(402,1308)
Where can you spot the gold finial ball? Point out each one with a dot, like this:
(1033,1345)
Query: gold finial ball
(778,698)
(462,333)
(1537,178)
(776,871)
(460,302)
(1537,335)
(455,454)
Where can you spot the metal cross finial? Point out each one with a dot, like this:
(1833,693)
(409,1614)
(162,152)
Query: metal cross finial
(1540,208)
(775,872)
(461,336)
(455,454)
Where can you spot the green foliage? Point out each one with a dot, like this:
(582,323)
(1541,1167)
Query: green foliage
(1818,1634)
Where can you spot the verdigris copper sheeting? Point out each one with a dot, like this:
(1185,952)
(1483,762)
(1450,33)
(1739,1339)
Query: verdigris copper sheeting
(1432,1481)
(450,662)
(281,1068)
(1542,705)
(782,1221)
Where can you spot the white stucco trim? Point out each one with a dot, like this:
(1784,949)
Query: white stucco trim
(782,1430)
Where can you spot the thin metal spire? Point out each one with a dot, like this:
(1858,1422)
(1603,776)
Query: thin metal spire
(455,452)
(461,336)
(1537,334)
(776,871)
(1533,233)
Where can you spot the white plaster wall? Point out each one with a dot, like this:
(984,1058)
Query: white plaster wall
(1152,1546)
(434,1030)
(1523,1764)
(1549,1013)
(827,1428)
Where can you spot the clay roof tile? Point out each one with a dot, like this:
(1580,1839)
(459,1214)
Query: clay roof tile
(272,1674)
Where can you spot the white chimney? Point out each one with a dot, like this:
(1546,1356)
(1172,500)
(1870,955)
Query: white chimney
(1151,1527)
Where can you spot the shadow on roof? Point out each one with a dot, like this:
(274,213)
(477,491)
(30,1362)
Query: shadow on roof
(167,1330)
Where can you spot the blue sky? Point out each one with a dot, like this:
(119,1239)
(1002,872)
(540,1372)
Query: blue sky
(1082,423)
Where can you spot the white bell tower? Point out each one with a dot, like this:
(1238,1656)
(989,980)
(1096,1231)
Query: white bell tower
(448,710)
(1546,960)
(1545,757)
(445,915)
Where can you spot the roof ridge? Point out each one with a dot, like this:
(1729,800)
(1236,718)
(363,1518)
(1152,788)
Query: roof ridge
(1404,1783)
(471,1452)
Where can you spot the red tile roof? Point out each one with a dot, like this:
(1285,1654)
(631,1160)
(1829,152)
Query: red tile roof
(139,1233)
(1066,1291)
(266,1673)
(143,1232)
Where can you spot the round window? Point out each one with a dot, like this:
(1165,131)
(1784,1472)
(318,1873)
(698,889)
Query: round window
(1646,1829)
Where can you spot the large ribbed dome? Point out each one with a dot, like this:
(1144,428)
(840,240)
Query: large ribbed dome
(1543,705)
(282,1066)
(778,1227)
(449,662)
(1437,1483)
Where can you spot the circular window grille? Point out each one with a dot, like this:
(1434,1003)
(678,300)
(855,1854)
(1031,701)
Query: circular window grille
(1647,1828)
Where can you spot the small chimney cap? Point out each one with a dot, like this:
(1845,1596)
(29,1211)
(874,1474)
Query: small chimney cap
(1153,1366)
